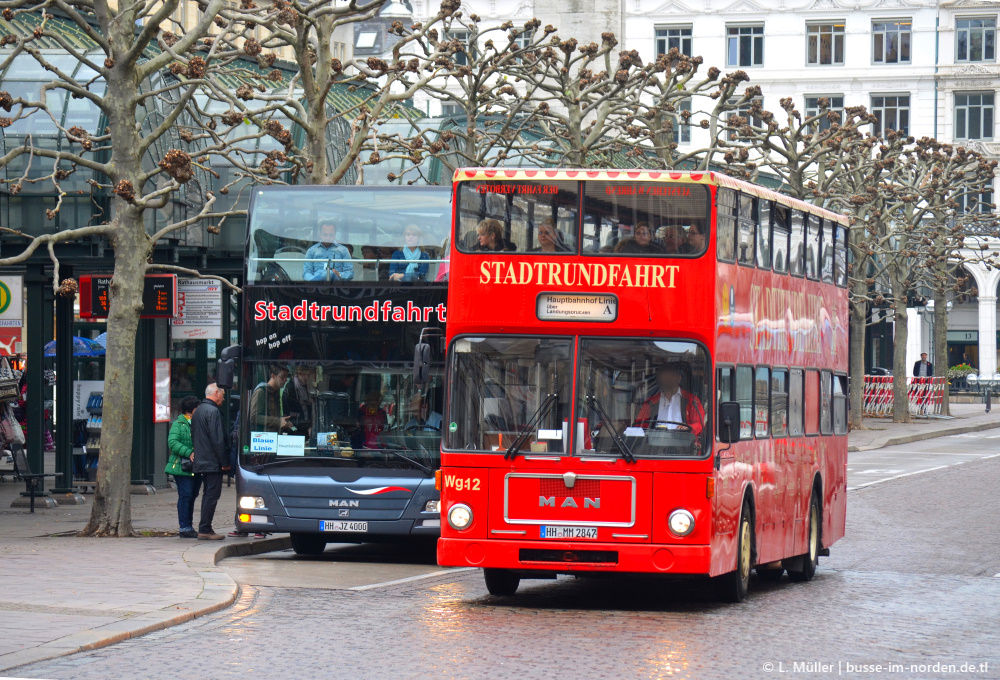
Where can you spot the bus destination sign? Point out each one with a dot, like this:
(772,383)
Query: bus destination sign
(576,307)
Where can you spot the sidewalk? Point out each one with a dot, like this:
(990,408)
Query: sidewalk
(61,594)
(883,432)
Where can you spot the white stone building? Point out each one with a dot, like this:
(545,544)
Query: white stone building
(928,67)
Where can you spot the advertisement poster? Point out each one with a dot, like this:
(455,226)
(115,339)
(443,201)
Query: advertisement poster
(11,314)
(161,390)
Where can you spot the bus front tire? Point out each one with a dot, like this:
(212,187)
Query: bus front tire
(501,581)
(807,563)
(308,544)
(732,587)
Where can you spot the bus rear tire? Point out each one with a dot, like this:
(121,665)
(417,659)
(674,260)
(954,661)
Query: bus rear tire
(501,582)
(810,560)
(732,587)
(308,544)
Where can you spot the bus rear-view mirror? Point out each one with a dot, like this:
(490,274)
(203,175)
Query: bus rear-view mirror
(729,422)
(225,367)
(421,362)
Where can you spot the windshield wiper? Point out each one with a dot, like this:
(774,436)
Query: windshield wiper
(522,436)
(412,462)
(286,461)
(606,422)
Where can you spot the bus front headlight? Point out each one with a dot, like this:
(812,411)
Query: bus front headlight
(460,516)
(681,522)
(251,502)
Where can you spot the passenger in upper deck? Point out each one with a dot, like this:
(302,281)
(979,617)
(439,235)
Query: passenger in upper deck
(491,237)
(672,237)
(642,242)
(695,241)
(550,239)
(328,249)
(408,263)
(672,407)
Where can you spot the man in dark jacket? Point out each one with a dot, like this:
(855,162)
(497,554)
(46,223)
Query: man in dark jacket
(211,456)
(923,368)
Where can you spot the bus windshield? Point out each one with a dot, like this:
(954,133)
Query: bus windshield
(351,413)
(648,394)
(348,235)
(502,383)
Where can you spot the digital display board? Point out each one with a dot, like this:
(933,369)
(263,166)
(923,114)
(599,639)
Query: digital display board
(159,296)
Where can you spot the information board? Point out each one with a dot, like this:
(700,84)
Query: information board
(159,296)
(199,310)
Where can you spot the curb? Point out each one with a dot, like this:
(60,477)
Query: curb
(921,436)
(219,591)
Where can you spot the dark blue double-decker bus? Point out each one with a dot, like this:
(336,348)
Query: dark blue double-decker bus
(338,443)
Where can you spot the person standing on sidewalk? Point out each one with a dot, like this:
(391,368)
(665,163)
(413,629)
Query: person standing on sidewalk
(923,368)
(181,447)
(211,456)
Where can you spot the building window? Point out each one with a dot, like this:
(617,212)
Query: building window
(673,36)
(366,40)
(745,46)
(836,105)
(975,39)
(743,111)
(462,56)
(682,131)
(825,44)
(983,203)
(892,112)
(891,42)
(974,115)
(522,40)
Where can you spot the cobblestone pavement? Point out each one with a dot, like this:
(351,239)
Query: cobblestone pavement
(912,584)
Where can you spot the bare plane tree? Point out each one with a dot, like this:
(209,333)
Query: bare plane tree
(127,51)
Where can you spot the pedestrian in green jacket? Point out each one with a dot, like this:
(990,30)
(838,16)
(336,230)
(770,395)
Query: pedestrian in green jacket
(180,444)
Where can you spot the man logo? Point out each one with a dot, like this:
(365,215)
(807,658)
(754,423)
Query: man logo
(568,502)
(344,504)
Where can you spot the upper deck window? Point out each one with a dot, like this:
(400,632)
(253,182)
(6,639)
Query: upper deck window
(645,218)
(348,235)
(523,216)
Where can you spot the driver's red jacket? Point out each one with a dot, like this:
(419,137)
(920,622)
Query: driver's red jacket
(691,409)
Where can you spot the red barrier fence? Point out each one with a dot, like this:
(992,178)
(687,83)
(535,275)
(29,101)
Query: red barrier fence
(925,396)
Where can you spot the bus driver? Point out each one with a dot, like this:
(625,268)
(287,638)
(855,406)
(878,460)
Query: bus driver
(672,406)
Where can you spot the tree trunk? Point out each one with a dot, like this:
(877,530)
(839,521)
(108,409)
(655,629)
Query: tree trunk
(856,359)
(941,342)
(900,394)
(111,514)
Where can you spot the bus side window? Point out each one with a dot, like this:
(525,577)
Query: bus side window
(744,395)
(812,402)
(746,236)
(840,404)
(779,402)
(827,251)
(825,403)
(840,256)
(725,386)
(725,224)
(764,235)
(796,265)
(779,238)
(812,228)
(762,403)
(796,402)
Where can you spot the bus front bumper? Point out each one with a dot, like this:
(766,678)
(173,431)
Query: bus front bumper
(400,527)
(572,556)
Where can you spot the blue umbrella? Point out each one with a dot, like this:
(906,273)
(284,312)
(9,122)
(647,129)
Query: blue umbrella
(102,339)
(82,347)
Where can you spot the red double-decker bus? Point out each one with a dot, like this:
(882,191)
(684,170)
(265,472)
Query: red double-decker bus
(646,373)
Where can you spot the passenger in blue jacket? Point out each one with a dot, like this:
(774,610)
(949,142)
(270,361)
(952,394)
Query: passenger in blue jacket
(410,263)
